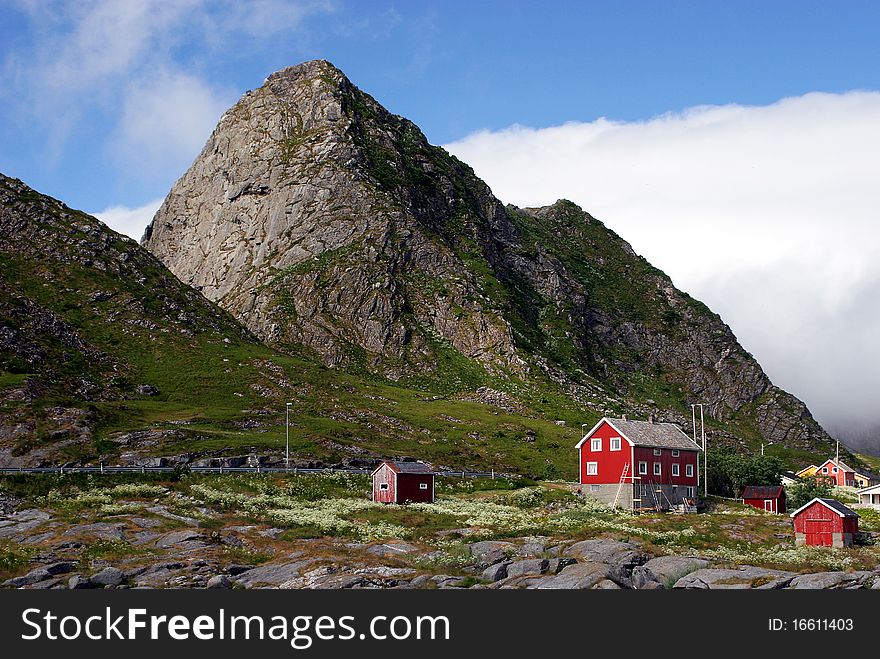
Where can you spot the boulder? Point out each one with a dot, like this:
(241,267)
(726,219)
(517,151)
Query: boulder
(830,580)
(219,581)
(556,565)
(392,549)
(665,570)
(109,576)
(488,552)
(744,577)
(495,572)
(40,574)
(271,574)
(181,540)
(530,549)
(612,552)
(528,566)
(577,576)
(78,582)
(99,530)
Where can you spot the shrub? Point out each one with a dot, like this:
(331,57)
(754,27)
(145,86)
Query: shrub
(808,489)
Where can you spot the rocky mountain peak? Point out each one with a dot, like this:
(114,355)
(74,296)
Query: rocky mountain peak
(324,222)
(327,223)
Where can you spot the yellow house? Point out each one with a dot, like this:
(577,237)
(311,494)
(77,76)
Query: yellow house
(866,479)
(806,472)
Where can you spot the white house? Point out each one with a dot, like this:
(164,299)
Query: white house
(870,497)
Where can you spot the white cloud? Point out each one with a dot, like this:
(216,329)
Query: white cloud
(768,214)
(118,61)
(165,121)
(129,221)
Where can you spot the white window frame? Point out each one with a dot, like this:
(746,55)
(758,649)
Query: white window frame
(596,445)
(689,470)
(658,469)
(592,469)
(675,453)
(658,451)
(675,469)
(423,486)
(643,468)
(383,486)
(768,505)
(614,441)
(824,470)
(833,470)
(690,490)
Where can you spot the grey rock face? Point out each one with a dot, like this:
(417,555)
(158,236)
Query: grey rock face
(306,245)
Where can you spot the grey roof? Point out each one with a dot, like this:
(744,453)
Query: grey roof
(839,507)
(410,467)
(656,435)
(842,465)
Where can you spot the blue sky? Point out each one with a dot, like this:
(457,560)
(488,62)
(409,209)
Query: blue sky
(734,144)
(453,67)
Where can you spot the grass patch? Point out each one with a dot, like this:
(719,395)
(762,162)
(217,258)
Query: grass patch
(111,549)
(14,559)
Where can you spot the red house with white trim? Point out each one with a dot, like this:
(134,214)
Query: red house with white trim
(765,497)
(403,482)
(836,471)
(639,464)
(825,523)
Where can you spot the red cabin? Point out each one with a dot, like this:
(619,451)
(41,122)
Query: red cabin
(765,497)
(825,523)
(639,464)
(403,482)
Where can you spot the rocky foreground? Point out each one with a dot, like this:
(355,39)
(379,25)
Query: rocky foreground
(130,551)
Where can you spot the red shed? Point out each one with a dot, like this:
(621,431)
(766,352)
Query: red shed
(825,523)
(765,497)
(403,482)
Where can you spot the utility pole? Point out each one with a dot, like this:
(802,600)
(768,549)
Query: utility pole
(705,456)
(287,438)
(694,407)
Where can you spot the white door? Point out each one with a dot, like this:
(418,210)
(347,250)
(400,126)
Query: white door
(768,505)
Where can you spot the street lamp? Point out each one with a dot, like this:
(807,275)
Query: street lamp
(287,438)
(762,447)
